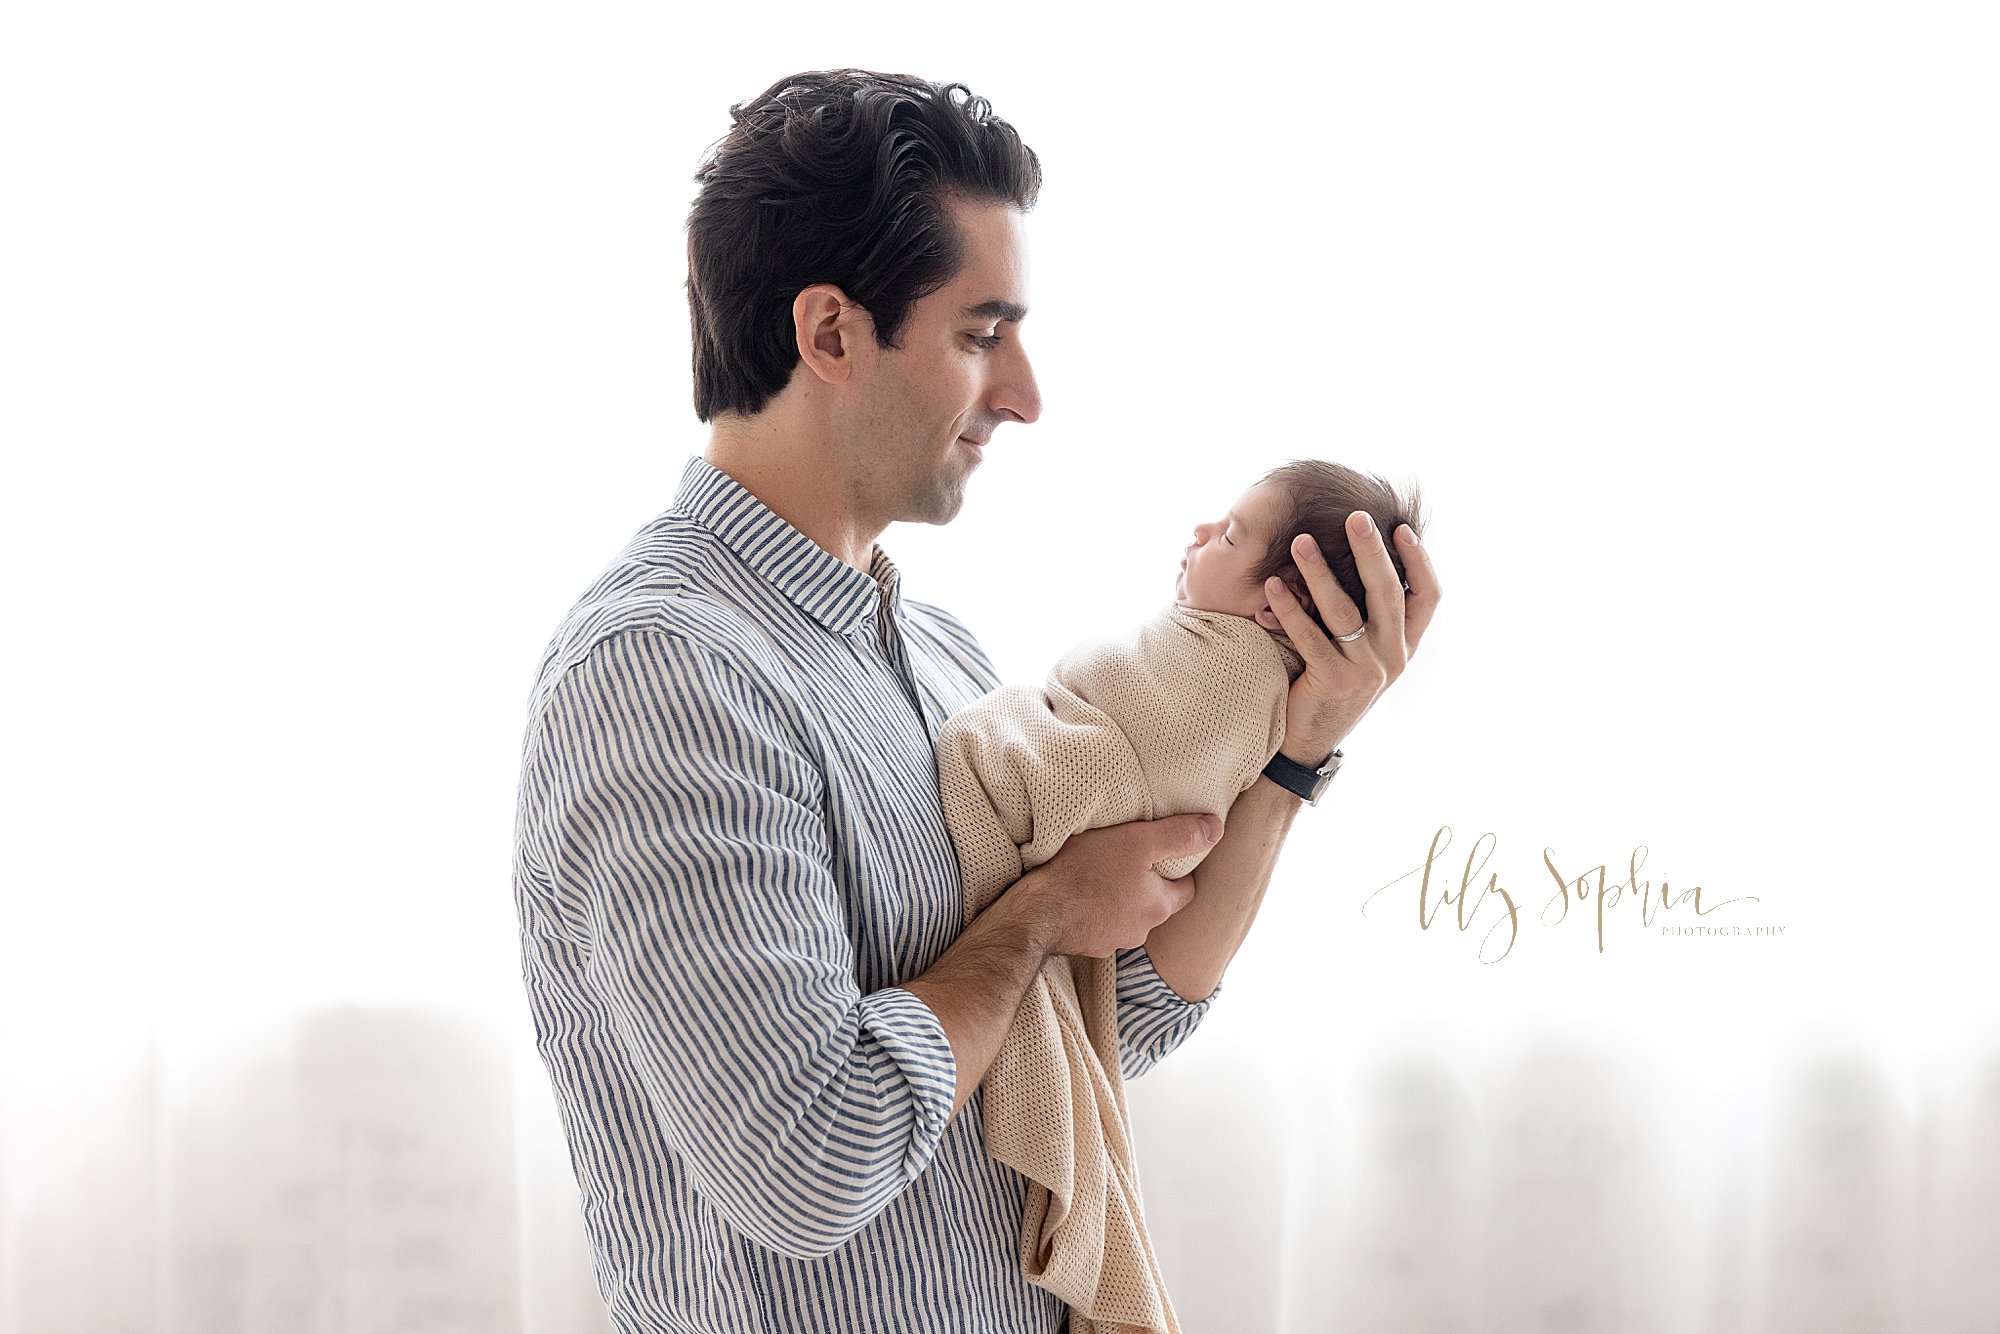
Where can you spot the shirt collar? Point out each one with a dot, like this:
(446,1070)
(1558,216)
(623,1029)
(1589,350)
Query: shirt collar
(826,587)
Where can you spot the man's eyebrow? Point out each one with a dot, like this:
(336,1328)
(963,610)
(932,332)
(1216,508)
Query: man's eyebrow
(1011,311)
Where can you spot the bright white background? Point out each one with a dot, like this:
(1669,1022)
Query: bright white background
(343,346)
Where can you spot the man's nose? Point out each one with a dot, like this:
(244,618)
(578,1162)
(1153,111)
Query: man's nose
(1017,395)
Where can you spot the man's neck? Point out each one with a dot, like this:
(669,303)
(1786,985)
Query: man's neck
(797,485)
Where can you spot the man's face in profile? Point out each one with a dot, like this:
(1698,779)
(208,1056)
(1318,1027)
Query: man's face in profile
(931,405)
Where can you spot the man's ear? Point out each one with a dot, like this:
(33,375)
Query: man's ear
(828,329)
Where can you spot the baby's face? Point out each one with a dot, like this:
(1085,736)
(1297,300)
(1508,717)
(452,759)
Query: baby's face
(1215,576)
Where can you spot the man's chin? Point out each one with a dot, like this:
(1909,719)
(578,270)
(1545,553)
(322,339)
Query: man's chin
(938,507)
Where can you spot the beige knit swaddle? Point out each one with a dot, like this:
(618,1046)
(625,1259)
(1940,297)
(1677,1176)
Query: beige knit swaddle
(1180,715)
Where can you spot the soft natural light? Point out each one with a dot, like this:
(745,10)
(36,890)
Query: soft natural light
(344,348)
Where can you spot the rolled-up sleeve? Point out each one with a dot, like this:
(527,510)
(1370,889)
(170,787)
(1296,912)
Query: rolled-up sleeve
(1152,1017)
(687,852)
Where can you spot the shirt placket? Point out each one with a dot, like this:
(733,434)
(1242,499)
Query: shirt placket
(889,637)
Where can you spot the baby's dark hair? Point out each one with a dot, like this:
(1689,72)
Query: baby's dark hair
(1318,497)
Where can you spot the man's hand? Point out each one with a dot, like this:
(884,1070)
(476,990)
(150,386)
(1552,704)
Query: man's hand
(1341,682)
(1100,894)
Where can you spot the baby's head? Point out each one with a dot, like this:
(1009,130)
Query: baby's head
(1231,558)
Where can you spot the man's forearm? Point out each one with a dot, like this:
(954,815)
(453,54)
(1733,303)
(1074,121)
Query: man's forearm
(1191,949)
(976,987)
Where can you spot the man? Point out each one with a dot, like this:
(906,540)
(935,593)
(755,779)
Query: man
(760,1008)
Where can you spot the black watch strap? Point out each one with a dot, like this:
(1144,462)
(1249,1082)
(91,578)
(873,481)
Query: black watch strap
(1307,784)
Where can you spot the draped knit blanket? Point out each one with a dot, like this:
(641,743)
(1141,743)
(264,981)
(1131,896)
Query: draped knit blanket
(1180,715)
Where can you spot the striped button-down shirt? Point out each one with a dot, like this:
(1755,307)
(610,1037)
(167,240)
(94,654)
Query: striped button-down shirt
(729,853)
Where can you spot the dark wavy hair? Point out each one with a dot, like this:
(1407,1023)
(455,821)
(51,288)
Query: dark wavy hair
(1318,498)
(833,176)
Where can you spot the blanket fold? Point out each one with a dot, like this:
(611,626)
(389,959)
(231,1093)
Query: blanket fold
(1179,715)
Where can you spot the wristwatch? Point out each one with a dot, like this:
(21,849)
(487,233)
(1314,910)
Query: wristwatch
(1295,778)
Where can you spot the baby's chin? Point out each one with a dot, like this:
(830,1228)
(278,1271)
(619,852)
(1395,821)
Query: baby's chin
(1183,600)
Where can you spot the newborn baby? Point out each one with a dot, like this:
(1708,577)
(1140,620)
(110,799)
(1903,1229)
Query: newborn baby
(1180,714)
